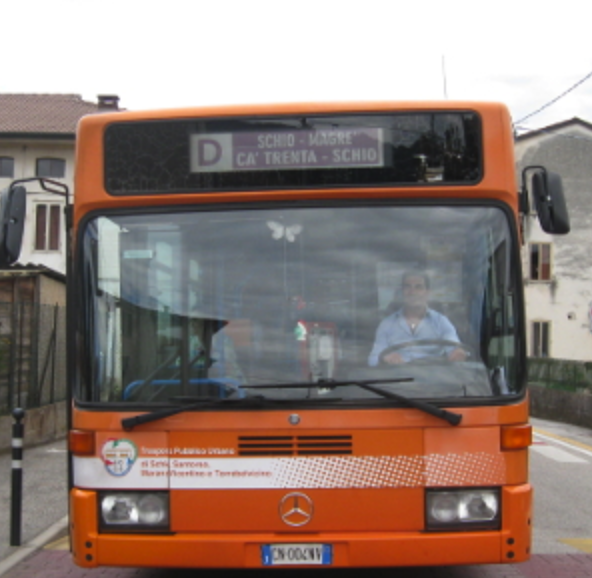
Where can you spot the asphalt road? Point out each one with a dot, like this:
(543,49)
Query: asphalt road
(561,472)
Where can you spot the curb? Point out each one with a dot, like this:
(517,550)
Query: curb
(35,544)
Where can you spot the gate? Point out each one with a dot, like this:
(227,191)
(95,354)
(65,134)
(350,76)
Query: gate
(32,355)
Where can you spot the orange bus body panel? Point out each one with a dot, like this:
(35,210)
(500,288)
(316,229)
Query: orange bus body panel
(370,504)
(368,526)
(497,182)
(351,548)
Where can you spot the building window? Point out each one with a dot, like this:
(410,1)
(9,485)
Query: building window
(47,227)
(540,339)
(55,168)
(540,261)
(6,167)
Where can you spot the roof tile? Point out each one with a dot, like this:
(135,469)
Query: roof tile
(43,113)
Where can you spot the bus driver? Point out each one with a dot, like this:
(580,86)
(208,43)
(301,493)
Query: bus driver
(414,321)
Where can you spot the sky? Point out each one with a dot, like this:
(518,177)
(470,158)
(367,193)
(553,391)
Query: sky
(178,53)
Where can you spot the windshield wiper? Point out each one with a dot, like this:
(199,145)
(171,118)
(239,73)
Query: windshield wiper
(369,385)
(261,401)
(130,423)
(449,416)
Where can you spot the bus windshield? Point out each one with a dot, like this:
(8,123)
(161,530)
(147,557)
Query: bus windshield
(280,303)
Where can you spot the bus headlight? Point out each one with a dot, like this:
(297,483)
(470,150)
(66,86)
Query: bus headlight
(134,511)
(459,509)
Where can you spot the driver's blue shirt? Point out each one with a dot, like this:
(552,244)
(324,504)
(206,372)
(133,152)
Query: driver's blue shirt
(394,329)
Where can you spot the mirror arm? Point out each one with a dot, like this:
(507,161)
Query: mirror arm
(48,185)
(523,202)
(525,170)
(524,197)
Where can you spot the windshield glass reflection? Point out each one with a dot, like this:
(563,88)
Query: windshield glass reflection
(215,305)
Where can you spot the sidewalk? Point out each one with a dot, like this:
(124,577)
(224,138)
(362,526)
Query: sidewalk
(45,498)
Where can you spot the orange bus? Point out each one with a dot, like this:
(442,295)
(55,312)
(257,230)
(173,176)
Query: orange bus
(297,336)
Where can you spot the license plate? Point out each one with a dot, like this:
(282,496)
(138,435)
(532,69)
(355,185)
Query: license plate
(296,554)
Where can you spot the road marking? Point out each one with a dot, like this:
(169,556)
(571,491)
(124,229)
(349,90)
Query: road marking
(583,544)
(566,442)
(558,454)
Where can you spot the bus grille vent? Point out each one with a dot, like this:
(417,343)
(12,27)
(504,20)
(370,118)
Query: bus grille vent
(339,445)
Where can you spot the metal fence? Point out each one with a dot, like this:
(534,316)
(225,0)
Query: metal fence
(32,355)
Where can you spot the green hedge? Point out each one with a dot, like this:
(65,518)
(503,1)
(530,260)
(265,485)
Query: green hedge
(562,374)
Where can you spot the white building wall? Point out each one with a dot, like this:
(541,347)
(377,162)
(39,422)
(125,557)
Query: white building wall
(25,154)
(565,306)
(565,300)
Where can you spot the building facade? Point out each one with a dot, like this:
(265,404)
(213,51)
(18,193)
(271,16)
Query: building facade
(37,139)
(558,269)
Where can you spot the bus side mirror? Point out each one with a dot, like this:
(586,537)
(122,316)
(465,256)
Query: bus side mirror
(13,205)
(549,201)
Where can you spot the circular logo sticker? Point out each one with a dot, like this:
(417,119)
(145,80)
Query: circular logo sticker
(119,456)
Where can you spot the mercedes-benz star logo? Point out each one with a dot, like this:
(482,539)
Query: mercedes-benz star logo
(296,509)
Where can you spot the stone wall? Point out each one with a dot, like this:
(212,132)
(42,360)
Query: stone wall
(559,405)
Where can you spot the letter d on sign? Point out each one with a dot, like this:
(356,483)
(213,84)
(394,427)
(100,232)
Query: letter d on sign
(211,153)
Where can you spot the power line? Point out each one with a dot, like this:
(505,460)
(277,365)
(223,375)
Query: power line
(556,98)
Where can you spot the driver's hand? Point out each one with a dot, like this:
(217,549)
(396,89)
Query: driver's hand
(393,358)
(457,354)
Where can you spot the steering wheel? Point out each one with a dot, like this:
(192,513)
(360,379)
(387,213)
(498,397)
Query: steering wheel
(426,358)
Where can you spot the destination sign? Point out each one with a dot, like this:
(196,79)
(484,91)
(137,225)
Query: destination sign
(286,149)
